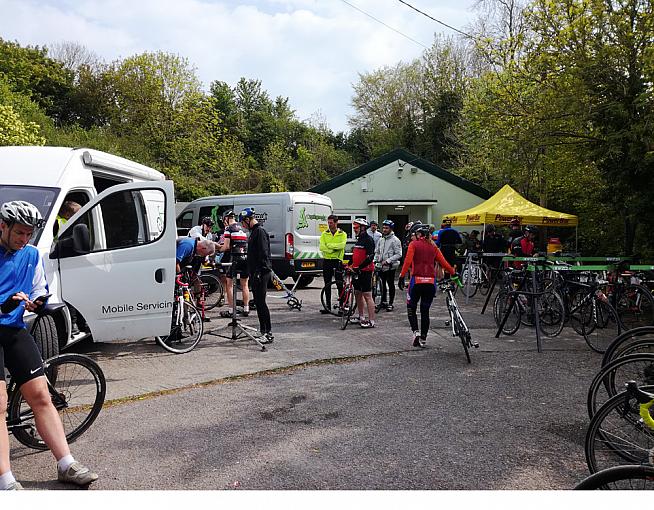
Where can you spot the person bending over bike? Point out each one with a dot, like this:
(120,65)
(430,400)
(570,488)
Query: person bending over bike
(23,287)
(363,255)
(421,258)
(192,252)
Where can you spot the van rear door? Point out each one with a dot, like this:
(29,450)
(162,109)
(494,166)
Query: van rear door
(309,221)
(124,286)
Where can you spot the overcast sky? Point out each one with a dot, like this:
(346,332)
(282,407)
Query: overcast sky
(307,50)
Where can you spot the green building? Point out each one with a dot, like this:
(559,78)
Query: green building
(399,186)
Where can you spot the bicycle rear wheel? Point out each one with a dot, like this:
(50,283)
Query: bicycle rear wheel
(334,294)
(617,436)
(485,284)
(469,289)
(348,307)
(635,307)
(377,290)
(77,388)
(624,343)
(186,330)
(214,293)
(603,325)
(610,380)
(631,477)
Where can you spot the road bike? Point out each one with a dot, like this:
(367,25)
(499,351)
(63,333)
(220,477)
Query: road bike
(77,388)
(377,287)
(475,276)
(458,325)
(345,305)
(187,325)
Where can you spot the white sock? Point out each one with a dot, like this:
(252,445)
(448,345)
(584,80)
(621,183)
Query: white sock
(372,322)
(246,308)
(6,479)
(65,462)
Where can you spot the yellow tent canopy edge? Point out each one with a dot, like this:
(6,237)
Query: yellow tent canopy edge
(506,205)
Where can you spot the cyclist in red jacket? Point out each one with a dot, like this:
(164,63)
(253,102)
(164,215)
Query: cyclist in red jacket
(363,255)
(421,259)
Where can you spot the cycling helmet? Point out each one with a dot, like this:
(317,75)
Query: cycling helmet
(416,225)
(424,230)
(408,226)
(362,222)
(227,214)
(248,212)
(373,222)
(207,221)
(21,212)
(515,221)
(388,223)
(532,229)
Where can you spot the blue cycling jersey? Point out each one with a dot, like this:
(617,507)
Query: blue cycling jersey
(20,271)
(185,250)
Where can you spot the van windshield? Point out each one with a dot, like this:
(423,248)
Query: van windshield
(43,198)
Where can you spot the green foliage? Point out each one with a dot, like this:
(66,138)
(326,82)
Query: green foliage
(13,131)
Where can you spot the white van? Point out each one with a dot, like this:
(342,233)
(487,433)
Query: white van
(293,220)
(114,260)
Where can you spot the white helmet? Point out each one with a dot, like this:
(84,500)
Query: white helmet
(362,222)
(21,212)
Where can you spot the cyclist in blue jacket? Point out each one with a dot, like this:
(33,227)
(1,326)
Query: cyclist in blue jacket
(23,287)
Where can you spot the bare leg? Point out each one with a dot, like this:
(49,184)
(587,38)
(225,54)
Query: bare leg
(228,290)
(245,292)
(358,296)
(370,303)
(4,434)
(48,422)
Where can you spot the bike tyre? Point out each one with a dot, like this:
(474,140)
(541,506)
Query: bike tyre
(81,382)
(624,340)
(603,479)
(624,306)
(214,293)
(603,329)
(470,291)
(551,313)
(347,308)
(192,325)
(623,410)
(606,378)
(512,324)
(334,296)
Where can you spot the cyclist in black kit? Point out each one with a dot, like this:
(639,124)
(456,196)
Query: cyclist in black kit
(259,269)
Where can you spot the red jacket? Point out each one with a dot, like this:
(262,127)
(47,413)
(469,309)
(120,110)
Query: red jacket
(421,258)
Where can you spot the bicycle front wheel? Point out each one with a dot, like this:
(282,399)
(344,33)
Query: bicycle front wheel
(631,477)
(377,290)
(214,294)
(347,307)
(551,313)
(186,330)
(469,282)
(503,300)
(635,307)
(77,388)
(334,294)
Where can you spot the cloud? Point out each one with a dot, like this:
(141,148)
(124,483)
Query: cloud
(307,50)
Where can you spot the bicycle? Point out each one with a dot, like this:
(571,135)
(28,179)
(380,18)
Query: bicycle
(622,430)
(377,287)
(187,326)
(345,305)
(459,327)
(77,387)
(475,276)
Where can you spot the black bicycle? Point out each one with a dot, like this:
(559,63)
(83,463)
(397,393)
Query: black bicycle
(77,388)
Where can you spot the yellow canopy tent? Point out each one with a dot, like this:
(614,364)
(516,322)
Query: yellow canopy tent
(507,204)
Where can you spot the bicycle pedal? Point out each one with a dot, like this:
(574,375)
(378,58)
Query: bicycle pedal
(447,323)
(475,345)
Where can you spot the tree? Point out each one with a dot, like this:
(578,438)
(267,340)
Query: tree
(13,131)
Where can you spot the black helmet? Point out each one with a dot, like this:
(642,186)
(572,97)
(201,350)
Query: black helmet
(207,221)
(416,225)
(228,213)
(424,230)
(531,229)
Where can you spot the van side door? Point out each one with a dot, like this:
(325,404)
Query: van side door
(116,261)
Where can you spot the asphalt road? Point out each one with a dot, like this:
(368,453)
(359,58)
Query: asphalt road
(390,417)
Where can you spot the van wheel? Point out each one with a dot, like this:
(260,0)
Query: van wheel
(305,281)
(45,335)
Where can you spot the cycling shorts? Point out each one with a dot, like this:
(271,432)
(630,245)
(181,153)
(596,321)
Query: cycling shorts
(363,282)
(239,268)
(21,356)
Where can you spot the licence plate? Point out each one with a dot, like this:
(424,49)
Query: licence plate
(308,264)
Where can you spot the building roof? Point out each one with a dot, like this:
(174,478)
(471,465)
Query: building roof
(407,157)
